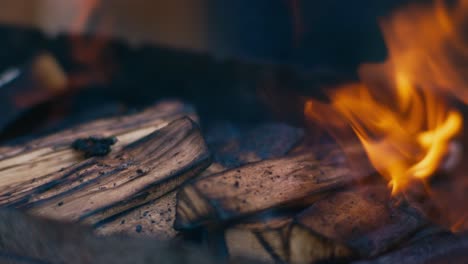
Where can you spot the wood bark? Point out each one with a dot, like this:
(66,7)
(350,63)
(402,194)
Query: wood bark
(99,188)
(25,166)
(256,187)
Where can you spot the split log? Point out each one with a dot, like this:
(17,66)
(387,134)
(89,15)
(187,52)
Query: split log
(25,166)
(438,249)
(258,187)
(154,219)
(99,188)
(231,146)
(344,225)
(261,239)
(355,223)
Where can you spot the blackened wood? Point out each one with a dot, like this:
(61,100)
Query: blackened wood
(257,187)
(231,146)
(154,219)
(26,166)
(99,188)
(357,223)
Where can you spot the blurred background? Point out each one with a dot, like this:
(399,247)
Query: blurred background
(234,60)
(330,33)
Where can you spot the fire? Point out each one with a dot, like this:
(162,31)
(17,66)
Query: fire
(400,109)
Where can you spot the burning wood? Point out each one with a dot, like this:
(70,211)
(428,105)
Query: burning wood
(98,188)
(301,208)
(256,187)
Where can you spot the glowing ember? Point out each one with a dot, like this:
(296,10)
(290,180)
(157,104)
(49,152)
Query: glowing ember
(399,110)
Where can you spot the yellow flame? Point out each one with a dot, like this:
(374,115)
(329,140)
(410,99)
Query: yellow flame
(399,110)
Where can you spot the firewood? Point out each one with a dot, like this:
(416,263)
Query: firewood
(342,226)
(438,249)
(154,219)
(262,239)
(354,223)
(257,187)
(233,146)
(26,166)
(99,188)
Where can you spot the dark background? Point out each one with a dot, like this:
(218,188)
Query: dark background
(334,34)
(290,47)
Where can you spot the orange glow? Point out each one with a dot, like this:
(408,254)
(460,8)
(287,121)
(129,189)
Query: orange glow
(399,110)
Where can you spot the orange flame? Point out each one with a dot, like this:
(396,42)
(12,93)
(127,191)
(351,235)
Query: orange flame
(399,110)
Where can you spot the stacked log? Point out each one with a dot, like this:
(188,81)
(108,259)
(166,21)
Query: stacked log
(256,195)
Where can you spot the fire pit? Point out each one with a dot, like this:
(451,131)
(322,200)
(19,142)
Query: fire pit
(113,153)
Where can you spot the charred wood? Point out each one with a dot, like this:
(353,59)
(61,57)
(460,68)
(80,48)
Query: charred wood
(231,146)
(154,219)
(288,181)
